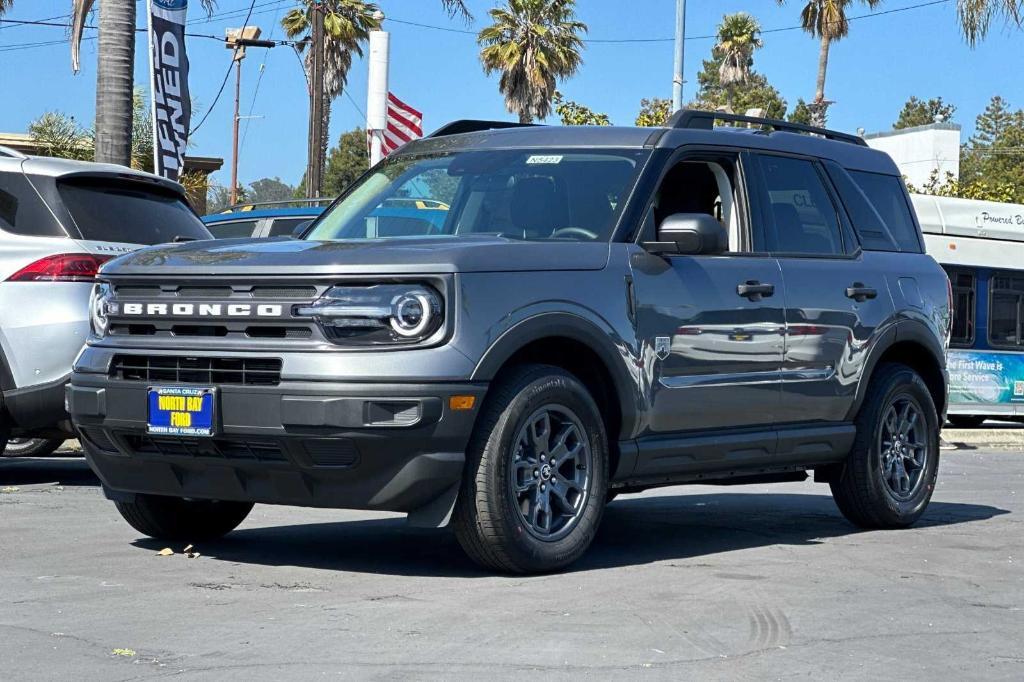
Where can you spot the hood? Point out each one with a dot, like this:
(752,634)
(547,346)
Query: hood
(436,255)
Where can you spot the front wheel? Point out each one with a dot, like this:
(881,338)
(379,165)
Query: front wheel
(174,518)
(534,489)
(889,476)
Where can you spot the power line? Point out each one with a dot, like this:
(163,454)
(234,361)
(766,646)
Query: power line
(259,79)
(227,75)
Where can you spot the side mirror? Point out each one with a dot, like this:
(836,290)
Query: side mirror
(300,229)
(689,234)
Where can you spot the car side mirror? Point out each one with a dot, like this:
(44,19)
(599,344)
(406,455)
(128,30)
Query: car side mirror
(689,234)
(300,229)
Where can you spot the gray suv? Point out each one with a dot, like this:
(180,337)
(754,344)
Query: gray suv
(597,311)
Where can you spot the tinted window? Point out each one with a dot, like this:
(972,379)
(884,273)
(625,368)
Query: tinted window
(534,194)
(1005,323)
(23,211)
(805,217)
(283,227)
(127,212)
(887,195)
(965,287)
(231,229)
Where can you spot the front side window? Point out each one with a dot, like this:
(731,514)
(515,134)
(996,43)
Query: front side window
(117,211)
(533,195)
(1005,317)
(703,186)
(964,285)
(804,215)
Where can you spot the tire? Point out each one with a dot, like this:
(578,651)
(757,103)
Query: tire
(501,519)
(32,447)
(966,421)
(871,490)
(174,518)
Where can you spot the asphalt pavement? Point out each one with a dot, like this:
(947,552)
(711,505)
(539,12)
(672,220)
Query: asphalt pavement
(695,582)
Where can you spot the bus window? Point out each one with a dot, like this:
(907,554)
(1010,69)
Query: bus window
(965,287)
(1004,329)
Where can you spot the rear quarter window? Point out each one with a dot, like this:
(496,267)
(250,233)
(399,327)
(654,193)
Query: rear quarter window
(22,209)
(887,196)
(230,229)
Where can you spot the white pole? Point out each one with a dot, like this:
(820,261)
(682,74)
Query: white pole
(377,93)
(677,70)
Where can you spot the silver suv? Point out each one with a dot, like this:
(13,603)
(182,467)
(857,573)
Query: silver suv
(59,221)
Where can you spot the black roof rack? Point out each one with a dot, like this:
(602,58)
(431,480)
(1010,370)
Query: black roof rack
(705,120)
(469,125)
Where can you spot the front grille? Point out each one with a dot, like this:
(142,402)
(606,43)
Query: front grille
(186,370)
(247,449)
(193,291)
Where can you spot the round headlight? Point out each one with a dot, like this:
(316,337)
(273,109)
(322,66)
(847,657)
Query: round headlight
(411,314)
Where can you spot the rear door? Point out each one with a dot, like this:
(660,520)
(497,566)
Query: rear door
(836,295)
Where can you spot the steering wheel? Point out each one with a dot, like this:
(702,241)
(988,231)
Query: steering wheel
(574,231)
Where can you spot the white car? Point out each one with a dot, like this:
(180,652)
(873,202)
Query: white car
(59,221)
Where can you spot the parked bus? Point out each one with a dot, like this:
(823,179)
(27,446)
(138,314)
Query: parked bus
(981,246)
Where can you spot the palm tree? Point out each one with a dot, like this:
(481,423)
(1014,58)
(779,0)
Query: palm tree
(347,26)
(6,5)
(115,68)
(739,35)
(977,15)
(826,20)
(533,43)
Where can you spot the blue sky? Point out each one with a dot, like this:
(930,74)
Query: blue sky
(885,60)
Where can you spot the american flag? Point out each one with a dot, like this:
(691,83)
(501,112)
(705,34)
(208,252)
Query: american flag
(404,125)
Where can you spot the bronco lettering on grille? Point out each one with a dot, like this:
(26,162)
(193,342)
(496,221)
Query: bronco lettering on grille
(203,309)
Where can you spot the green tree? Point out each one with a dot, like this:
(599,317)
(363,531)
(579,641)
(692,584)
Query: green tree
(993,123)
(269,189)
(532,44)
(918,112)
(976,16)
(576,114)
(345,162)
(826,20)
(654,112)
(739,36)
(347,26)
(992,159)
(801,113)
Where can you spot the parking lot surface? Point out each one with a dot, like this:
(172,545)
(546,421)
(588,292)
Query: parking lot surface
(695,582)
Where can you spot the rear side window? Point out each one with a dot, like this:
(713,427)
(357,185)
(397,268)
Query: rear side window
(232,229)
(284,227)
(805,217)
(887,196)
(23,211)
(114,211)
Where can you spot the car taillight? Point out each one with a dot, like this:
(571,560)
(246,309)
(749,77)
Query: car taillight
(64,267)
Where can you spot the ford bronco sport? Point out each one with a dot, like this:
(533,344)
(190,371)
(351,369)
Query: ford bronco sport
(601,310)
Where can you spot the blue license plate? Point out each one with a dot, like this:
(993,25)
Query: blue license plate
(181,411)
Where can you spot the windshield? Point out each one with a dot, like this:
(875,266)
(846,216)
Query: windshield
(519,194)
(115,211)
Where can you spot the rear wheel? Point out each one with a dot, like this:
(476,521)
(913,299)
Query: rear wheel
(174,518)
(32,447)
(889,476)
(966,421)
(536,478)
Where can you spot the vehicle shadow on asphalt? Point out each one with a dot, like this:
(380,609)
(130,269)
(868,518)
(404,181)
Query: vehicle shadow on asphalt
(67,471)
(634,531)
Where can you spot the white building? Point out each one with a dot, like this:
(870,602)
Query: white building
(919,151)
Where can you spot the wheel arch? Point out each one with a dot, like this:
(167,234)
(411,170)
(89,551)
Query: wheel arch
(911,343)
(580,347)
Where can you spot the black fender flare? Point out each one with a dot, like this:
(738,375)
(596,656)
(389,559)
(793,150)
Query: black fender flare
(901,331)
(576,328)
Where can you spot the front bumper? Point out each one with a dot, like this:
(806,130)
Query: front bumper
(392,447)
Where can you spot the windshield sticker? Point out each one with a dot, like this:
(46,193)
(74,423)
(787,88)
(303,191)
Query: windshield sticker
(538,159)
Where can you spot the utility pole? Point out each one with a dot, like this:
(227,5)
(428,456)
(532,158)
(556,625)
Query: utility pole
(237,39)
(315,167)
(677,72)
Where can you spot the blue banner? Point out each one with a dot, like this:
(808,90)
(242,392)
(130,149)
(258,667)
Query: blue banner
(985,377)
